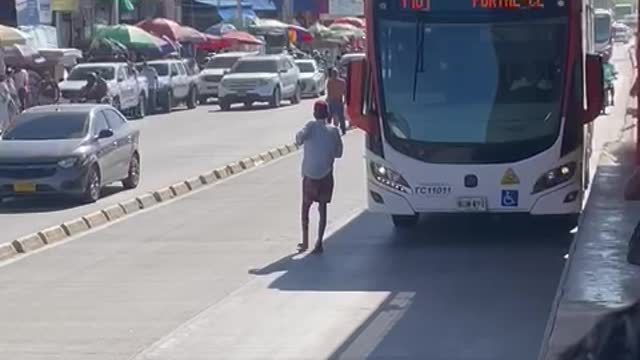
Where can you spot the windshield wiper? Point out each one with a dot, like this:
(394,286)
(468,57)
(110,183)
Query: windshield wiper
(419,62)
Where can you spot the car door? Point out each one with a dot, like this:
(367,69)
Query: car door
(125,141)
(175,80)
(106,152)
(292,75)
(184,79)
(285,78)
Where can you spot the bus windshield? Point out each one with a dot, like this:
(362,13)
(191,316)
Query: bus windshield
(472,84)
(603,28)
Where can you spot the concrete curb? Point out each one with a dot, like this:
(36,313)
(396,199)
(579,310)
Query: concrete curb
(115,212)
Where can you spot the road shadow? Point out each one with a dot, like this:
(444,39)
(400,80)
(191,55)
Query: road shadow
(455,285)
(253,108)
(53,203)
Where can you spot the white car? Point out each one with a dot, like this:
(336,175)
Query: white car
(175,85)
(267,78)
(213,72)
(127,89)
(313,80)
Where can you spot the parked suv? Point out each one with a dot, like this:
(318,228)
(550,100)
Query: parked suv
(213,72)
(267,78)
(127,89)
(175,85)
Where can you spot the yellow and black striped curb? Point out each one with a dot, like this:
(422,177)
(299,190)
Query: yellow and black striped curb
(83,224)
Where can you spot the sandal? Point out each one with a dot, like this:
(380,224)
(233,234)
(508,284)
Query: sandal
(302,247)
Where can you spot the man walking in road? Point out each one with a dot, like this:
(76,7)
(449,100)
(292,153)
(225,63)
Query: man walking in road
(322,145)
(336,91)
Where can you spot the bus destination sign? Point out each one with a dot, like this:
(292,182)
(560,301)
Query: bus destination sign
(457,5)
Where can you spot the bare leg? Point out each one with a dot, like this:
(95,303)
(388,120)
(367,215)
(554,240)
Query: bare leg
(322,225)
(306,206)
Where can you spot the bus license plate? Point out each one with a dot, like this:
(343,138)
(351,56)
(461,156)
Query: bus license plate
(472,204)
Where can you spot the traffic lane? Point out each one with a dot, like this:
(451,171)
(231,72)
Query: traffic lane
(173,147)
(221,261)
(111,293)
(443,292)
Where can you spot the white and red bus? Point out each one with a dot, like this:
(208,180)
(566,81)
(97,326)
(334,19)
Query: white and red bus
(477,106)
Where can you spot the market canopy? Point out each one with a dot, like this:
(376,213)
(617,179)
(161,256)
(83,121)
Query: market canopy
(354,21)
(41,36)
(242,37)
(11,36)
(164,27)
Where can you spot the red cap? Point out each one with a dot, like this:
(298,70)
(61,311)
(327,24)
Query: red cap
(321,109)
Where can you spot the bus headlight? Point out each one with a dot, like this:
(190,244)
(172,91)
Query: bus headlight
(389,178)
(555,177)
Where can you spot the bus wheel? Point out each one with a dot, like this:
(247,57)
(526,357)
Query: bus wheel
(405,221)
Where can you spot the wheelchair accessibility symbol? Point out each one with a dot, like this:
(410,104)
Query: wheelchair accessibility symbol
(510,198)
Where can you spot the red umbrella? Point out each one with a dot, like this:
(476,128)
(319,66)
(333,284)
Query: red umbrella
(242,37)
(171,29)
(213,43)
(357,22)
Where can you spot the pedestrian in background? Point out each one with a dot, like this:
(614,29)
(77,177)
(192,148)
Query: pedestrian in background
(322,145)
(336,91)
(152,79)
(21,81)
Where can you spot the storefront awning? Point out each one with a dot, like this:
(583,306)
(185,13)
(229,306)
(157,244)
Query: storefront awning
(229,13)
(262,5)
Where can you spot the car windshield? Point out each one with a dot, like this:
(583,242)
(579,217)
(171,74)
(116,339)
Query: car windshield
(256,66)
(161,69)
(48,126)
(603,28)
(222,62)
(502,86)
(306,67)
(81,73)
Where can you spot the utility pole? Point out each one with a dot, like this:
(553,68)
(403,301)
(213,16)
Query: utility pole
(239,13)
(287,11)
(116,12)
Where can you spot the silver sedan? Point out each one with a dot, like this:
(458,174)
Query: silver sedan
(312,78)
(72,150)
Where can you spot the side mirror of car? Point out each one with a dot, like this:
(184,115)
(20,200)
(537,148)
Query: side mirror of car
(595,87)
(106,133)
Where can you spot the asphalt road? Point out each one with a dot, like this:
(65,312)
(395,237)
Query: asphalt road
(212,276)
(174,147)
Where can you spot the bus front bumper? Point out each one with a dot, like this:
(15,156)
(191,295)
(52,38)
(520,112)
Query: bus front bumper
(563,200)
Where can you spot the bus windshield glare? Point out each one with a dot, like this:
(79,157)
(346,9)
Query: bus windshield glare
(495,85)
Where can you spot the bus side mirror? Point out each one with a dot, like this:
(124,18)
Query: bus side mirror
(595,87)
(358,89)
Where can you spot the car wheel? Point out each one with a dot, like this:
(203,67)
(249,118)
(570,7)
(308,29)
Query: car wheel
(133,176)
(224,105)
(141,111)
(275,98)
(297,95)
(405,221)
(168,103)
(93,187)
(192,99)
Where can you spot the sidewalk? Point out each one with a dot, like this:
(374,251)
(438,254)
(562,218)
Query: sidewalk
(597,276)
